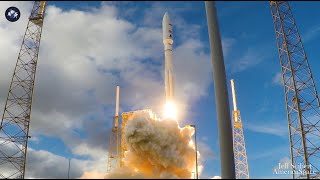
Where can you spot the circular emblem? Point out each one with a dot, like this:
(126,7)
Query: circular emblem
(12,14)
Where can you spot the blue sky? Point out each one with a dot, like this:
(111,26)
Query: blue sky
(250,55)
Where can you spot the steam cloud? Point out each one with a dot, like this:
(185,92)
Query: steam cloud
(156,149)
(92,175)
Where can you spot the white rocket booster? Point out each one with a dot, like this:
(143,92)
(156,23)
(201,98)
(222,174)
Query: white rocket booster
(167,42)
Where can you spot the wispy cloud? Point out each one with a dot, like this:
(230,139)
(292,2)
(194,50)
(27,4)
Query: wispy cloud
(265,105)
(251,58)
(267,153)
(227,44)
(273,128)
(206,153)
(204,138)
(277,79)
(311,34)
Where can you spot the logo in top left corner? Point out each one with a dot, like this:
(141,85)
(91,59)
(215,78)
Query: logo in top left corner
(12,14)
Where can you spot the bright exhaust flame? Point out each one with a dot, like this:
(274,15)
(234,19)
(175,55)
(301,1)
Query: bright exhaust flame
(170,110)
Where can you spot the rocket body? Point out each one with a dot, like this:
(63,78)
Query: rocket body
(167,42)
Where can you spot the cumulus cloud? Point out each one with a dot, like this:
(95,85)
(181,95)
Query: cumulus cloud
(44,164)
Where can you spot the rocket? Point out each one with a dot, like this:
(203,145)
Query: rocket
(167,42)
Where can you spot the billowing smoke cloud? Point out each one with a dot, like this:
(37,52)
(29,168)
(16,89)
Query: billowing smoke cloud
(92,175)
(126,173)
(156,149)
(216,177)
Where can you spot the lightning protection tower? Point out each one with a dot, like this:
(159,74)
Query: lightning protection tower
(240,156)
(14,129)
(302,101)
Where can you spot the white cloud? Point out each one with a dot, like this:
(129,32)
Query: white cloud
(11,38)
(84,149)
(227,44)
(34,139)
(43,164)
(276,129)
(283,165)
(251,58)
(206,153)
(83,56)
(204,138)
(270,153)
(277,79)
(311,34)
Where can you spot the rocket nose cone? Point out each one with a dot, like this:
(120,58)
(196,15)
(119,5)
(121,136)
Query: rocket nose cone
(166,17)
(167,27)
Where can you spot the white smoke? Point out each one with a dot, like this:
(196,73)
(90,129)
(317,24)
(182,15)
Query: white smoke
(216,177)
(156,149)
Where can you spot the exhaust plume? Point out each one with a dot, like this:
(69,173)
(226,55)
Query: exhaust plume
(156,149)
(92,175)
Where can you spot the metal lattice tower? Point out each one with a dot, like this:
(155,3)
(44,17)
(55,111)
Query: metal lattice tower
(115,139)
(114,147)
(14,129)
(240,155)
(302,101)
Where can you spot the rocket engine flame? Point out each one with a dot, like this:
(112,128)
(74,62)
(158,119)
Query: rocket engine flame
(157,148)
(170,110)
